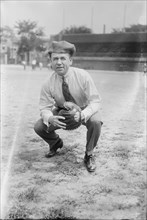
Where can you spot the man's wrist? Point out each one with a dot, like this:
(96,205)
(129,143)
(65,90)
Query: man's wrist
(82,117)
(50,120)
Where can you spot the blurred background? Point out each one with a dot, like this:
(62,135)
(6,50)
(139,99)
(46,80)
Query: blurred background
(108,35)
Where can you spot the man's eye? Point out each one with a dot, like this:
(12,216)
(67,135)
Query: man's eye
(55,59)
(62,58)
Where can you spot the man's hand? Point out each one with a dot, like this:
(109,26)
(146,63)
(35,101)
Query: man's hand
(79,116)
(55,121)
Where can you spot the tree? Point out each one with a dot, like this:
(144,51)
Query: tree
(8,43)
(7,33)
(76,30)
(31,37)
(136,28)
(133,28)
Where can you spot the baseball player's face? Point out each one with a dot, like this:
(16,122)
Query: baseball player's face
(61,62)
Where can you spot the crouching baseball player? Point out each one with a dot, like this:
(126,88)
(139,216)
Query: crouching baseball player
(68,99)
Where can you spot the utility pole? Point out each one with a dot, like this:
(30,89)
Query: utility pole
(92,14)
(124,17)
(63,25)
(63,19)
(104,29)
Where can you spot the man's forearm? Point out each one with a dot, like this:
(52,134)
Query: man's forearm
(90,110)
(45,115)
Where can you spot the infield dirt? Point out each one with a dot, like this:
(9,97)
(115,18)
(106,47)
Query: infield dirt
(60,187)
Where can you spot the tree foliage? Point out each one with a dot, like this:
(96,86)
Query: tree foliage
(133,28)
(76,30)
(30,36)
(7,33)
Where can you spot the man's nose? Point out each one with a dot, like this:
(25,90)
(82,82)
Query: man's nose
(59,61)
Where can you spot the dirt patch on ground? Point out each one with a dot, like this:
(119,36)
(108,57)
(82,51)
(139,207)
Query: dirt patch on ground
(61,187)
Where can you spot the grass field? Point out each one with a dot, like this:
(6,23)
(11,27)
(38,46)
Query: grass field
(60,187)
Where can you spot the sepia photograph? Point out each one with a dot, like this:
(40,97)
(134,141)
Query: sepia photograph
(73,109)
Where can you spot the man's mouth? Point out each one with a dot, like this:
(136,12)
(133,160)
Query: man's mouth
(59,67)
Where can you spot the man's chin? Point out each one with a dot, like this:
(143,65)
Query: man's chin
(60,72)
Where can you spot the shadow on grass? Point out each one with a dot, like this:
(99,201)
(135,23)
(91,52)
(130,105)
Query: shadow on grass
(21,211)
(18,211)
(67,162)
(60,213)
(30,194)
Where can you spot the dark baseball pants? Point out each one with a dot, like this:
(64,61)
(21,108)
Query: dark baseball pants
(51,137)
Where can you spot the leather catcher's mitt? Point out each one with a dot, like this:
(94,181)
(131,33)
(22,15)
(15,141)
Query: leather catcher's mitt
(69,110)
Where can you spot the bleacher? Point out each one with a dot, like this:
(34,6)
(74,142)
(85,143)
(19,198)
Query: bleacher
(113,45)
(119,51)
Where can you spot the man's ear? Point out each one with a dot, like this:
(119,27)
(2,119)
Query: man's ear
(71,60)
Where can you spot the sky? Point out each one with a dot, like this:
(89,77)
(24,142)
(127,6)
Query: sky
(55,15)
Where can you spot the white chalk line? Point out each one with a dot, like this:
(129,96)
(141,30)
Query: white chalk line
(5,180)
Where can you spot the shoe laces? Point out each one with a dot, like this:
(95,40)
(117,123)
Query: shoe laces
(90,158)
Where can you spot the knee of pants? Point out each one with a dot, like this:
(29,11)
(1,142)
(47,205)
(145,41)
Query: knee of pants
(95,120)
(39,126)
(95,123)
